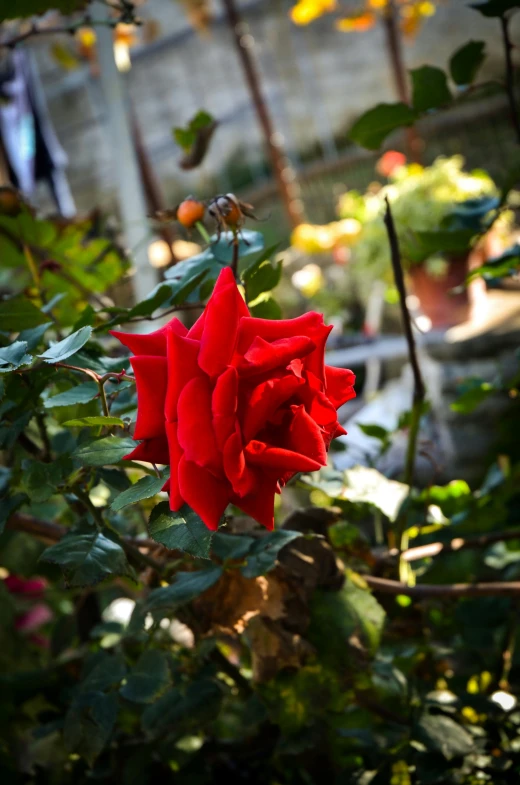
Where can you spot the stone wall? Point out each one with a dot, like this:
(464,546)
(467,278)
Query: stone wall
(316,81)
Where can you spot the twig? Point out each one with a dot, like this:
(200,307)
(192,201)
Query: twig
(419,389)
(234,261)
(70,29)
(43,530)
(510,75)
(98,378)
(458,543)
(508,652)
(47,451)
(427,590)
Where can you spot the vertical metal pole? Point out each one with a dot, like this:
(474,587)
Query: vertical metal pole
(285,177)
(131,198)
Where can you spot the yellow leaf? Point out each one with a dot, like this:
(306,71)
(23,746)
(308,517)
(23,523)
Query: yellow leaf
(306,11)
(357,24)
(64,57)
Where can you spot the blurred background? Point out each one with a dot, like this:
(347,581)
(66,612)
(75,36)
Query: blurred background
(132,107)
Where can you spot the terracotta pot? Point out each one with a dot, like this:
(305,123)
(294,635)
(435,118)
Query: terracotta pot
(437,303)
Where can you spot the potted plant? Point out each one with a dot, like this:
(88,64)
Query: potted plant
(448,221)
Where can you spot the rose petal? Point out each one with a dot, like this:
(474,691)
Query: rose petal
(224,405)
(151,451)
(263,356)
(223,313)
(152,344)
(265,399)
(306,437)
(182,366)
(204,493)
(151,380)
(260,504)
(278,459)
(176,500)
(339,385)
(241,477)
(195,427)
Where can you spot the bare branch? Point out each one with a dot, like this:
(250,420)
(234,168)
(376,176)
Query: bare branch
(449,590)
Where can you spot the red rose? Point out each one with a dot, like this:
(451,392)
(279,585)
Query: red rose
(236,405)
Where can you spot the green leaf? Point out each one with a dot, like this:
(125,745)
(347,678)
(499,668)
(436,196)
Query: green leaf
(168,293)
(13,356)
(442,734)
(186,137)
(474,214)
(89,724)
(34,335)
(249,242)
(368,486)
(70,345)
(231,546)
(265,278)
(87,318)
(101,452)
(144,488)
(23,8)
(495,7)
(263,554)
(201,703)
(266,307)
(149,679)
(8,506)
(429,88)
(421,245)
(374,126)
(339,617)
(472,393)
(250,268)
(91,422)
(500,267)
(40,481)
(182,530)
(82,393)
(187,586)
(19,313)
(108,672)
(88,556)
(466,61)
(374,431)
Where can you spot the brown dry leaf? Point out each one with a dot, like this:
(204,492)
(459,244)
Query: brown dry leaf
(274,648)
(233,601)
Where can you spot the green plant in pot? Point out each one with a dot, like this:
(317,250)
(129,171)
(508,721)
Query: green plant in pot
(448,221)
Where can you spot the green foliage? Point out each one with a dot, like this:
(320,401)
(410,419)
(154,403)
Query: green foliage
(19,313)
(466,61)
(87,556)
(494,8)
(24,8)
(144,488)
(429,88)
(186,137)
(372,128)
(182,530)
(148,679)
(70,345)
(100,452)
